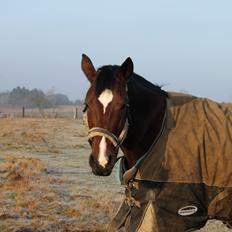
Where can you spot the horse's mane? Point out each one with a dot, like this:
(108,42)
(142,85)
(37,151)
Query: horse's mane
(106,79)
(147,84)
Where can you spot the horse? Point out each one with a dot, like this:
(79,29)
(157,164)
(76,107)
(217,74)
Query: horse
(177,149)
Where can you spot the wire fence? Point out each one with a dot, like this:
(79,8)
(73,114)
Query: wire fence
(57,112)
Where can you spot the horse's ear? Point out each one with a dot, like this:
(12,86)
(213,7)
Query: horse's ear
(88,68)
(127,69)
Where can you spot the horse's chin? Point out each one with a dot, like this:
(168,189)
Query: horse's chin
(101,172)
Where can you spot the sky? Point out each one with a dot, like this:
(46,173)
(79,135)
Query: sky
(184,45)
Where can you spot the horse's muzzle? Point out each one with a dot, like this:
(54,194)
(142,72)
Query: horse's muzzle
(97,169)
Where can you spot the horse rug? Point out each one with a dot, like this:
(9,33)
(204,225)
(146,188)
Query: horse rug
(186,176)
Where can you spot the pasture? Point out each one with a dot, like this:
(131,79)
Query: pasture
(46,183)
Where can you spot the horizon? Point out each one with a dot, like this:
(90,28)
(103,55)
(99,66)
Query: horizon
(183,45)
(51,92)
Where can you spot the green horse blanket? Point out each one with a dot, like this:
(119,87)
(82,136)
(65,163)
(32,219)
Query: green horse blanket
(186,176)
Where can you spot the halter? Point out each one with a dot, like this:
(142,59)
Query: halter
(99,131)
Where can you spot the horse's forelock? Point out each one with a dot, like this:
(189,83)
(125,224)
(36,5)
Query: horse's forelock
(105,79)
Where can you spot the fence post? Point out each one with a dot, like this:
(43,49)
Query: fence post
(76,113)
(23,111)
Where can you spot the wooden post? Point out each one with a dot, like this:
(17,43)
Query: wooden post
(23,112)
(76,113)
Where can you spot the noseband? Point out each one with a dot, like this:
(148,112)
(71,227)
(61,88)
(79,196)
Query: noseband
(99,131)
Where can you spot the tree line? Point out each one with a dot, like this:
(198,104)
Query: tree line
(35,98)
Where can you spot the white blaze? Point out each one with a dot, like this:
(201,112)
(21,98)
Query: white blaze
(102,158)
(105,98)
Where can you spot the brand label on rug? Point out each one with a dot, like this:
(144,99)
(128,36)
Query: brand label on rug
(187,210)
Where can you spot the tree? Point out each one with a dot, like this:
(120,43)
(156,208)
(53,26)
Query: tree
(18,96)
(38,98)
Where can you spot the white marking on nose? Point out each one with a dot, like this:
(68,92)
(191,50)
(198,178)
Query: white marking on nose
(105,98)
(102,158)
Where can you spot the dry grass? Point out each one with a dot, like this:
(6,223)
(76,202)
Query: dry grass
(45,181)
(20,168)
(33,199)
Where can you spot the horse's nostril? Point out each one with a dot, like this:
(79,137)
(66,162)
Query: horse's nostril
(109,159)
(92,161)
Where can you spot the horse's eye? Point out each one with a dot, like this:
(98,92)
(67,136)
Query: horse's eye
(124,106)
(85,108)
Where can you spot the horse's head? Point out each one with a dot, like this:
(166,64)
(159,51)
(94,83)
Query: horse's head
(106,112)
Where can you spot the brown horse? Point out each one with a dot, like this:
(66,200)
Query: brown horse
(168,141)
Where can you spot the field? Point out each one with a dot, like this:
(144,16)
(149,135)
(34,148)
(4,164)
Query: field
(46,183)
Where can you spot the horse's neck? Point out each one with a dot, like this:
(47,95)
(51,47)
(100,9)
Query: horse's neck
(146,111)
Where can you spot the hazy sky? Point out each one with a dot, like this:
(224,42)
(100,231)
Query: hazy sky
(184,44)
